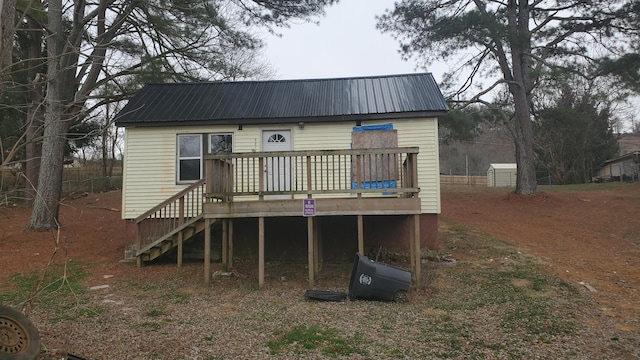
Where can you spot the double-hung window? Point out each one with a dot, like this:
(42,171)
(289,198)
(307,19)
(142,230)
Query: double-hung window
(189,158)
(190,150)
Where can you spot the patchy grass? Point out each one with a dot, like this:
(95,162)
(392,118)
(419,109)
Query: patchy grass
(58,291)
(304,339)
(492,302)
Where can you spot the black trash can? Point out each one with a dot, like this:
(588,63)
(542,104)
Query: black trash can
(373,280)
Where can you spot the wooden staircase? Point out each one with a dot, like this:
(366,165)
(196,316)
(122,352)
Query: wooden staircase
(171,223)
(163,244)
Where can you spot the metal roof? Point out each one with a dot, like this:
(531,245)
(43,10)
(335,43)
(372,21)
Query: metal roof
(632,155)
(259,102)
(504,166)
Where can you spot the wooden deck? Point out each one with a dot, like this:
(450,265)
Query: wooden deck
(276,184)
(336,182)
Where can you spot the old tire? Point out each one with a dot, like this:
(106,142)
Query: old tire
(324,295)
(401,296)
(19,339)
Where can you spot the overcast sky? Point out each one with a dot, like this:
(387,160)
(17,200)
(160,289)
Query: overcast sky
(346,43)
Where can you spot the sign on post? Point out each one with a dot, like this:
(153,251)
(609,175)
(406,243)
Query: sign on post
(309,207)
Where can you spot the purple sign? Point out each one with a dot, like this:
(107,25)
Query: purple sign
(309,207)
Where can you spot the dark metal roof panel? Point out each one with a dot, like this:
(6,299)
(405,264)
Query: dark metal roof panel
(262,101)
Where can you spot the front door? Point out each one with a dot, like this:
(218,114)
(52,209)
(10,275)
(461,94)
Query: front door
(278,168)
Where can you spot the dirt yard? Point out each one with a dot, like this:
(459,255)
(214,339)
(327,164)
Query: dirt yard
(91,231)
(590,236)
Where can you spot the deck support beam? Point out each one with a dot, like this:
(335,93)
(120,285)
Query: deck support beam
(412,249)
(311,245)
(180,248)
(415,253)
(230,246)
(225,245)
(261,252)
(317,248)
(360,235)
(207,251)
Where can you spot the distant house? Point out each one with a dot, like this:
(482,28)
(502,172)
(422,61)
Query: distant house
(306,169)
(501,175)
(622,168)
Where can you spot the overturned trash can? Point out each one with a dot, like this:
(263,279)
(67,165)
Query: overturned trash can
(371,280)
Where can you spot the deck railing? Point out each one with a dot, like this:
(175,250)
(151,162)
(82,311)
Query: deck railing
(170,215)
(335,173)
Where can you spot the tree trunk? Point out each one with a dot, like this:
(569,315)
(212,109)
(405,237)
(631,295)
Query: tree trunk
(520,87)
(35,112)
(33,148)
(7,30)
(45,208)
(106,169)
(526,183)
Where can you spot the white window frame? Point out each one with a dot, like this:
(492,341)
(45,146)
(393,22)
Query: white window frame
(180,158)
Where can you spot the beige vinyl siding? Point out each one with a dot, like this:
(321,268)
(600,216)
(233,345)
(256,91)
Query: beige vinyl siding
(150,166)
(149,179)
(423,133)
(150,156)
(334,136)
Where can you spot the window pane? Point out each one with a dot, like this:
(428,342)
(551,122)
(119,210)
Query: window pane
(277,138)
(189,170)
(189,146)
(221,143)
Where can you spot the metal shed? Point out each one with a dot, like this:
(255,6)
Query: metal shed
(499,175)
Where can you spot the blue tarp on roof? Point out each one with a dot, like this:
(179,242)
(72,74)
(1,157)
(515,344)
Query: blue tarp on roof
(374,127)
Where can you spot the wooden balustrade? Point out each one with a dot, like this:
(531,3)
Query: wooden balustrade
(170,215)
(329,173)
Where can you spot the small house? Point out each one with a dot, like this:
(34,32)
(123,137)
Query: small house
(502,175)
(622,168)
(309,169)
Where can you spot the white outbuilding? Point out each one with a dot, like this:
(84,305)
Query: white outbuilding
(499,175)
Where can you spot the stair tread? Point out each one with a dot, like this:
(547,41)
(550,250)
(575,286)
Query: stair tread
(169,241)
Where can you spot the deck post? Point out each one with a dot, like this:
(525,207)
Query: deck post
(359,175)
(414,172)
(311,252)
(180,248)
(260,251)
(317,248)
(180,234)
(225,242)
(412,247)
(230,249)
(261,185)
(139,262)
(360,235)
(207,251)
(418,255)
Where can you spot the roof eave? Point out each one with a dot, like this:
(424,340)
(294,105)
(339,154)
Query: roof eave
(291,120)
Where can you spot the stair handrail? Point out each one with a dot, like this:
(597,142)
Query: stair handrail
(170,214)
(170,200)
